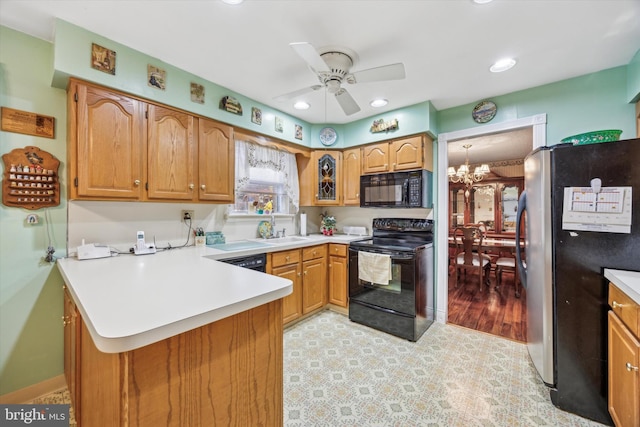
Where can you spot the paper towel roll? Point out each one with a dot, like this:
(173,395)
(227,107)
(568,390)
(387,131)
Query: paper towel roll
(303,224)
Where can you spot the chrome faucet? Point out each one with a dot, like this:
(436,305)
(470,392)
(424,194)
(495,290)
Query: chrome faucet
(273,225)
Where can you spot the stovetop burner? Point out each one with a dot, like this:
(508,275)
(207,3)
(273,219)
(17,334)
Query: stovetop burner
(398,234)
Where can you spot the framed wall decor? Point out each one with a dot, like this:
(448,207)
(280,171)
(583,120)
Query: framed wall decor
(278,124)
(298,132)
(197,93)
(256,115)
(27,123)
(484,112)
(156,77)
(103,59)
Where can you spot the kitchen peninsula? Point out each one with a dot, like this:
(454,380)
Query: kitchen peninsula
(174,338)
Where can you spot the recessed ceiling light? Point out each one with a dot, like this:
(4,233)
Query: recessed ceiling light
(502,65)
(232,1)
(380,102)
(482,1)
(301,105)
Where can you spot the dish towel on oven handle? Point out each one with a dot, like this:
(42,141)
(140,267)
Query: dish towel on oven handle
(374,268)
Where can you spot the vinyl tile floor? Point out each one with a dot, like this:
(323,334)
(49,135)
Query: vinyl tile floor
(340,373)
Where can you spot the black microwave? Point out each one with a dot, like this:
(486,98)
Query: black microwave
(407,189)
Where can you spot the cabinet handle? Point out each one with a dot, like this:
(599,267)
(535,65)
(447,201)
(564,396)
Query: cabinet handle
(136,182)
(192,186)
(203,186)
(616,304)
(630,367)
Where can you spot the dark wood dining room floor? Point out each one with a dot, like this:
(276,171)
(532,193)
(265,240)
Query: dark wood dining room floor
(497,312)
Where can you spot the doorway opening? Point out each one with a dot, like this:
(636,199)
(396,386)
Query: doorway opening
(493,310)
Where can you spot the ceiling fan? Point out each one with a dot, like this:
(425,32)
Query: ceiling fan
(332,66)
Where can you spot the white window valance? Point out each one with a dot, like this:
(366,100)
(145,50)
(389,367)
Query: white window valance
(255,161)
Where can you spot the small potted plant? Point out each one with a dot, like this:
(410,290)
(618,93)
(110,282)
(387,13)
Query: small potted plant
(327,224)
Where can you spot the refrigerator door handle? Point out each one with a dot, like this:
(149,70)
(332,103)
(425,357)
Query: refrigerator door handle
(522,206)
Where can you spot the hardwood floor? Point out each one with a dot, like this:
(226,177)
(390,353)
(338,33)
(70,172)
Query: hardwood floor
(497,312)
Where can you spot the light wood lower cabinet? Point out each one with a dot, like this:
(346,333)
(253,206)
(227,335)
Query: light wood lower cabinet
(624,359)
(338,274)
(314,278)
(226,373)
(319,276)
(71,347)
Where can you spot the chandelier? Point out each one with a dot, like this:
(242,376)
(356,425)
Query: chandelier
(463,174)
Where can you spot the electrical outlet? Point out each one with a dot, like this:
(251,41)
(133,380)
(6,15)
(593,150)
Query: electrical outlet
(186,215)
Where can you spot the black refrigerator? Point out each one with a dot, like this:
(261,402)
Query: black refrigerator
(581,213)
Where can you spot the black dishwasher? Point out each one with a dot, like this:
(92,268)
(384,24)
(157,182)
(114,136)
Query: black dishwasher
(256,262)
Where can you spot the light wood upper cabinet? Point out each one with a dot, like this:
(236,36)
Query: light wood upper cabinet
(216,156)
(375,158)
(123,148)
(106,134)
(352,166)
(171,154)
(414,152)
(327,177)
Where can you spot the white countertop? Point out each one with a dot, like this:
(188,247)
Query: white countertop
(627,281)
(131,301)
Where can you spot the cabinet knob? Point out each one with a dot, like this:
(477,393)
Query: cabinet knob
(299,274)
(191,186)
(67,320)
(202,187)
(305,272)
(136,182)
(630,367)
(287,258)
(616,304)
(358,195)
(330,265)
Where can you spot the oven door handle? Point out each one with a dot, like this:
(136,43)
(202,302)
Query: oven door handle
(394,255)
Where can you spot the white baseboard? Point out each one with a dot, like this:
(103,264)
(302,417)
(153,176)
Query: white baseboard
(28,394)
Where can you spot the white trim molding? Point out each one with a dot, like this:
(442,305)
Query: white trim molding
(538,123)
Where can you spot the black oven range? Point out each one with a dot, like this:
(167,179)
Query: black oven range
(391,285)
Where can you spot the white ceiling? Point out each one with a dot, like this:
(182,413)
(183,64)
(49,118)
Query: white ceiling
(446,46)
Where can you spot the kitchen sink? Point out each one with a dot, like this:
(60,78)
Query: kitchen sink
(241,245)
(283,240)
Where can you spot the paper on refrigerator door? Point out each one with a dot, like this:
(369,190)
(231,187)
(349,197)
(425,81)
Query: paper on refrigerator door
(607,211)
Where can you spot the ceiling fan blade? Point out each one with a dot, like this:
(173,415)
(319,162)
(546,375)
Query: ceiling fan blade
(346,101)
(386,72)
(296,93)
(307,52)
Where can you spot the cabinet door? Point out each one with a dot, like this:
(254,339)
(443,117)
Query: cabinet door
(171,154)
(216,159)
(407,154)
(292,303)
(107,144)
(352,165)
(624,378)
(71,348)
(314,284)
(338,280)
(328,177)
(375,158)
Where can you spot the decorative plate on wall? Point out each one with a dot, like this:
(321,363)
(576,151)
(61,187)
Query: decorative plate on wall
(484,112)
(328,136)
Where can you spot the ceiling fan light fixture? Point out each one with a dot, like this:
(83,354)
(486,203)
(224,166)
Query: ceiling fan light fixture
(301,105)
(379,102)
(502,65)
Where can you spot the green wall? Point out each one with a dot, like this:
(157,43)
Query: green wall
(595,101)
(31,331)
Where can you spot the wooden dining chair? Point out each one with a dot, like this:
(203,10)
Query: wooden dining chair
(469,256)
(508,263)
